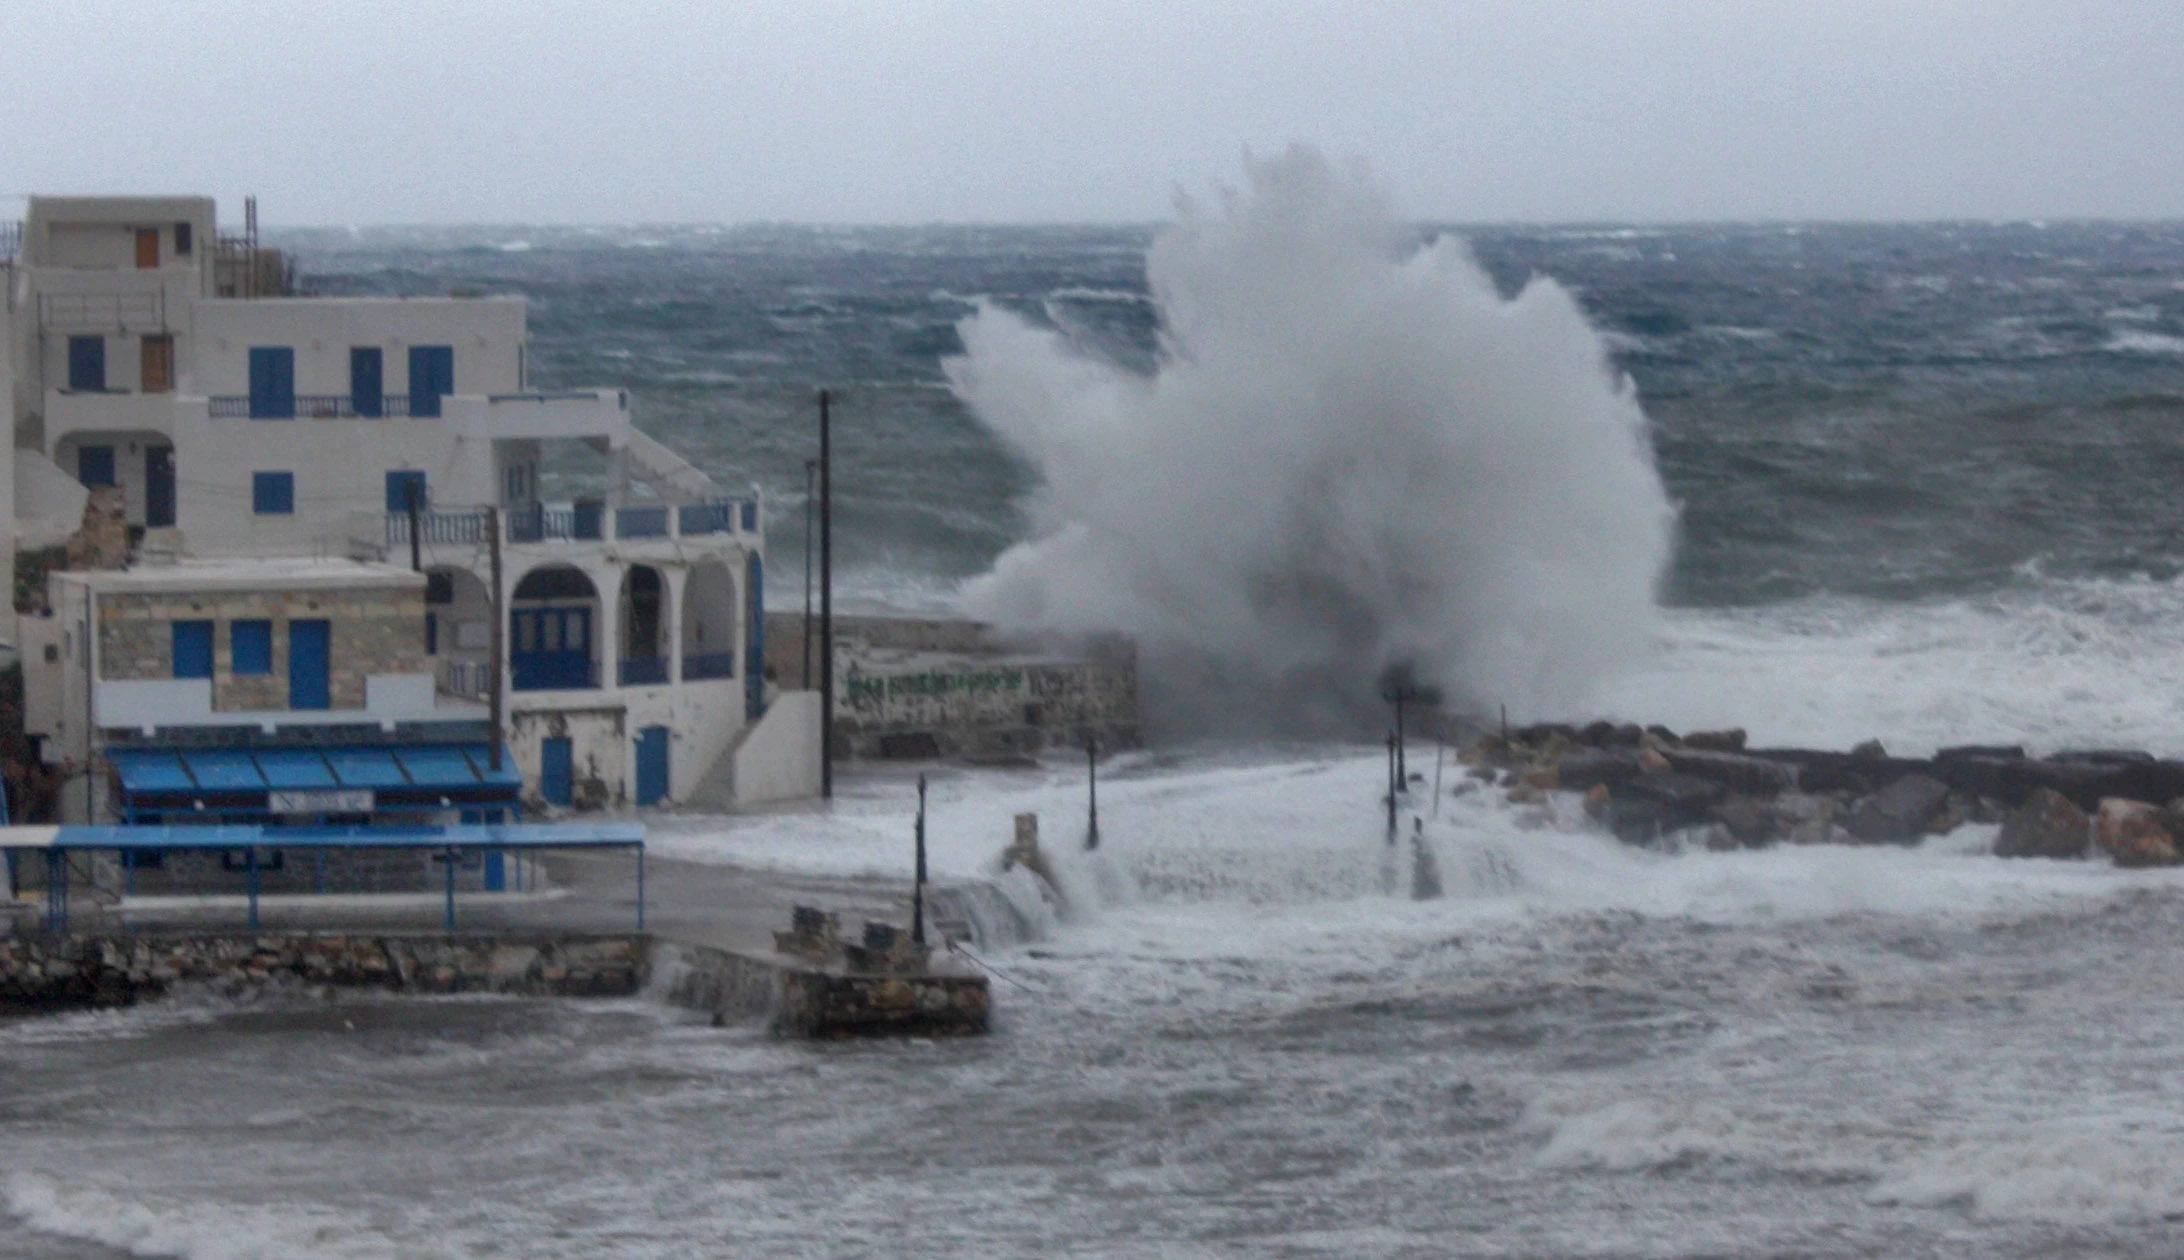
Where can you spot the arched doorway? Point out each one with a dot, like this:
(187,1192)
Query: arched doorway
(552,619)
(754,666)
(642,654)
(709,623)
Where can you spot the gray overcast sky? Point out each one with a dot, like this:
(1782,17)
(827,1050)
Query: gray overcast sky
(1098,110)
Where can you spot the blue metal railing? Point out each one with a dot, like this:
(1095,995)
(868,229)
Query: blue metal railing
(437,527)
(314,407)
(706,518)
(647,671)
(640,522)
(705,665)
(552,671)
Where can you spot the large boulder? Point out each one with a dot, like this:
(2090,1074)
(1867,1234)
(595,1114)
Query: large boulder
(1901,812)
(1587,768)
(1686,797)
(1753,776)
(1651,806)
(2046,825)
(1729,741)
(2134,833)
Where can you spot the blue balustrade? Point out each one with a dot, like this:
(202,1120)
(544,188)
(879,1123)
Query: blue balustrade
(705,665)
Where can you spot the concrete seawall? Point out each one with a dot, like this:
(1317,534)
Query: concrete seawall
(797,998)
(51,973)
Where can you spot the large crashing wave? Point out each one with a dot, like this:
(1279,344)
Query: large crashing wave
(1353,454)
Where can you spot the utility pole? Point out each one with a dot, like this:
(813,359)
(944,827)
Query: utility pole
(1391,789)
(497,646)
(826,599)
(811,477)
(917,889)
(1092,788)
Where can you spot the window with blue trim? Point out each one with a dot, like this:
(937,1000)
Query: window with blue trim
(273,493)
(193,649)
(251,645)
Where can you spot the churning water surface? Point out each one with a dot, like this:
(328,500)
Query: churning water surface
(1922,481)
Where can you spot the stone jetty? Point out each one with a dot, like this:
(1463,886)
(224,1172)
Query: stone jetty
(1650,786)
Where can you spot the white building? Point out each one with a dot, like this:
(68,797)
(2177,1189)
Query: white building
(147,352)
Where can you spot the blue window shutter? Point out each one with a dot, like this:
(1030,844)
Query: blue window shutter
(193,649)
(273,493)
(399,484)
(432,377)
(251,644)
(367,395)
(310,655)
(272,383)
(87,363)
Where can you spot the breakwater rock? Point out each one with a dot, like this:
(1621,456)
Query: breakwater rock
(1650,786)
(41,972)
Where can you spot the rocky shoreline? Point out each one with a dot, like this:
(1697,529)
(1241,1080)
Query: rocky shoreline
(1650,786)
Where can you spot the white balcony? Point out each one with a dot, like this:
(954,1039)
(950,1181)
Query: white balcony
(147,704)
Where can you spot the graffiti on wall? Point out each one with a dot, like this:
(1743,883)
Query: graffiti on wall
(876,691)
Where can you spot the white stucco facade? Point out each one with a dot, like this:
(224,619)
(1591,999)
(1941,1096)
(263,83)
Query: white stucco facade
(238,420)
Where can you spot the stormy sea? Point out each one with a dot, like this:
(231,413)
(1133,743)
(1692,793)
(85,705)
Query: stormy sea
(1824,482)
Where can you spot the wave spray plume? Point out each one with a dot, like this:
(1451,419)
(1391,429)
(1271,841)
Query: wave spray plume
(1353,454)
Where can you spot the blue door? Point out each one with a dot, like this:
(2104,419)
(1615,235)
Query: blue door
(652,765)
(367,381)
(431,376)
(400,486)
(95,465)
(551,648)
(272,383)
(87,363)
(557,770)
(158,486)
(754,663)
(310,645)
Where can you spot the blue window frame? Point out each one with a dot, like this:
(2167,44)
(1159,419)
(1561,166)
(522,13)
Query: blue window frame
(399,485)
(95,465)
(193,649)
(250,643)
(273,493)
(87,363)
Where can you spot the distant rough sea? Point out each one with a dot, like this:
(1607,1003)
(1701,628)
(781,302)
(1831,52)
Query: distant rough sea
(1927,480)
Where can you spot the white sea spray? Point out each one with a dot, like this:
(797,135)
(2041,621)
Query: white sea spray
(1352,454)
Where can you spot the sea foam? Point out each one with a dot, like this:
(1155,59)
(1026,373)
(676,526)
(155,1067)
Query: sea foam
(1353,453)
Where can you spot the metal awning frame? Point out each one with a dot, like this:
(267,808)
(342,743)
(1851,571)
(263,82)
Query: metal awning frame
(450,842)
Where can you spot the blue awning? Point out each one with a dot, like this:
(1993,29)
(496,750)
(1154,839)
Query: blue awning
(443,768)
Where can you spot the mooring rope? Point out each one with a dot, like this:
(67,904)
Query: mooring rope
(987,967)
